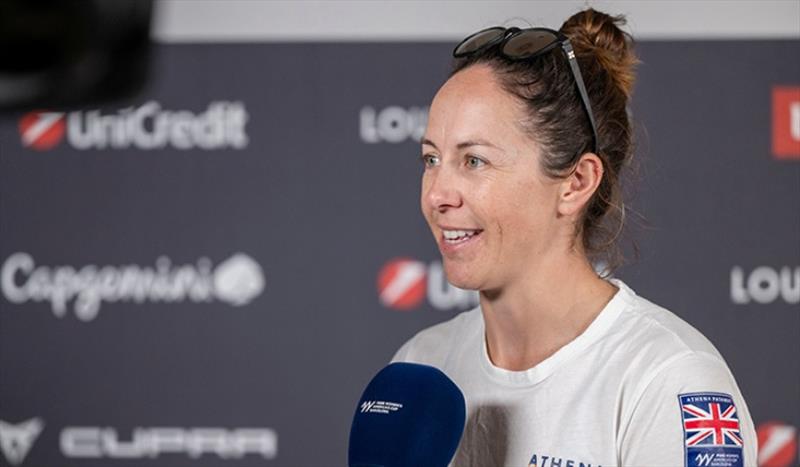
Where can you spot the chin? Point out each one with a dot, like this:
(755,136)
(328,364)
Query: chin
(462,276)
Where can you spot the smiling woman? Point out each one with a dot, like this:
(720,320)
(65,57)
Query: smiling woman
(522,154)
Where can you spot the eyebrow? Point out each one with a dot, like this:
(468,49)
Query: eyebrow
(463,144)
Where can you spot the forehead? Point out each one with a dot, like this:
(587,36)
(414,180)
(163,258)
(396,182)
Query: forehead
(473,104)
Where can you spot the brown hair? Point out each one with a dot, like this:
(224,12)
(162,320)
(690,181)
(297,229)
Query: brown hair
(557,121)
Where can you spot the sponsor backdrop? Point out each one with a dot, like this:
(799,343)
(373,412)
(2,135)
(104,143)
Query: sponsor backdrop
(210,272)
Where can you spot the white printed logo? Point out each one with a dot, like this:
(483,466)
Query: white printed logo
(17,440)
(765,285)
(382,407)
(704,459)
(236,281)
(151,442)
(366,405)
(392,124)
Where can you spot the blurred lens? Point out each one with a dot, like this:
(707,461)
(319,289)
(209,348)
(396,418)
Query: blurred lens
(527,43)
(56,53)
(479,40)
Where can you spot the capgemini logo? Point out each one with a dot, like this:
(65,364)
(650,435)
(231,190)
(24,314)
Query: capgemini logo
(236,281)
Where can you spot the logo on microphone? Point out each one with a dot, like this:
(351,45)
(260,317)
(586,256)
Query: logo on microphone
(404,283)
(41,130)
(17,440)
(382,407)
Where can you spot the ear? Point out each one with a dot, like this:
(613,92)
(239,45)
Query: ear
(577,189)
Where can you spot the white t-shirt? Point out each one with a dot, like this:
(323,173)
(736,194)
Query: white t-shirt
(639,387)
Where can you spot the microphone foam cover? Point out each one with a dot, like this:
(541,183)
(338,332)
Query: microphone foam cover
(410,415)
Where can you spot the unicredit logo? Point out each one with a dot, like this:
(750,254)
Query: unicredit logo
(149,126)
(41,130)
(404,284)
(777,444)
(236,281)
(786,122)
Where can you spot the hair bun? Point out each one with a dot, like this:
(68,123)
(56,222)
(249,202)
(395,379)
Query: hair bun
(598,34)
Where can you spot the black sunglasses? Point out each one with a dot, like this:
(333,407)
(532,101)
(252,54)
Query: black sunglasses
(520,44)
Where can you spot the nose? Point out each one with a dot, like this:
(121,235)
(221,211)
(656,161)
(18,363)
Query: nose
(440,190)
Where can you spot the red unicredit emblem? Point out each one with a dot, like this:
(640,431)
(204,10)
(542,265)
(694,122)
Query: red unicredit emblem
(777,444)
(41,130)
(401,283)
(786,122)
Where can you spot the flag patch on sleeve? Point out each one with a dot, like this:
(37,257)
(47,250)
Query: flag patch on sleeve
(710,430)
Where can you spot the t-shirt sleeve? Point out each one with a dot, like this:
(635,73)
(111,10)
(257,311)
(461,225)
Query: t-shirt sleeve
(690,414)
(402,354)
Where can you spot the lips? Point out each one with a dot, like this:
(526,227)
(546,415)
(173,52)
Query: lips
(454,240)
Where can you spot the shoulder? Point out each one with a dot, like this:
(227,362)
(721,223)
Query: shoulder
(666,417)
(432,345)
(661,350)
(670,364)
(661,335)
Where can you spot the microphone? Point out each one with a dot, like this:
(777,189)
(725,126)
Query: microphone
(409,415)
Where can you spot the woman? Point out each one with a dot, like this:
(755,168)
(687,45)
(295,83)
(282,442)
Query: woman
(560,367)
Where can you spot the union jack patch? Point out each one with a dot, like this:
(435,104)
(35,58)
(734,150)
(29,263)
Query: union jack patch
(710,430)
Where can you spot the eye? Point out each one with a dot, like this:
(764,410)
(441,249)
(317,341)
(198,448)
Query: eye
(430,160)
(474,162)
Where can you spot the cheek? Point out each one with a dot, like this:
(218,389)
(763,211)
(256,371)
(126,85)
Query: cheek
(524,213)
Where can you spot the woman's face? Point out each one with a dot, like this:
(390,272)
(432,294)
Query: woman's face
(490,207)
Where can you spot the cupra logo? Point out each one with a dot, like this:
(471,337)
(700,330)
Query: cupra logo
(17,440)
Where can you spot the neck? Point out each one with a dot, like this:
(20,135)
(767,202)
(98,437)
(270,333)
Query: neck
(529,320)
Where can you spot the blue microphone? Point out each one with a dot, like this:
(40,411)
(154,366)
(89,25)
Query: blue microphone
(410,415)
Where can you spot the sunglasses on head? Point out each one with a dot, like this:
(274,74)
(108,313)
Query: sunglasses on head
(520,44)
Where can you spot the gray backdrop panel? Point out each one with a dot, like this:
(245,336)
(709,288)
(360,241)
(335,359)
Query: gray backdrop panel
(321,211)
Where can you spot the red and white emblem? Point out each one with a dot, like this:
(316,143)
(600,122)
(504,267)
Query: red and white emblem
(786,122)
(401,283)
(777,444)
(41,130)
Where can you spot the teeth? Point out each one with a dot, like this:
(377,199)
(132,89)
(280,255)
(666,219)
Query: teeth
(453,235)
